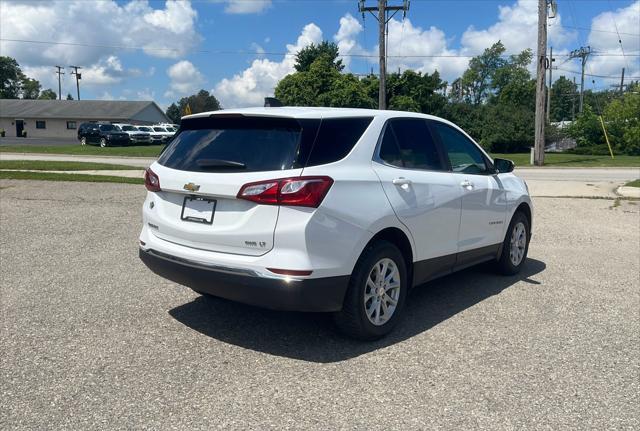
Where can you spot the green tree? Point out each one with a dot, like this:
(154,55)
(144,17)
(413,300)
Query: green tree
(30,88)
(48,94)
(563,99)
(347,92)
(69,96)
(512,76)
(404,103)
(622,119)
(425,90)
(306,56)
(586,129)
(10,78)
(173,112)
(202,101)
(323,85)
(477,79)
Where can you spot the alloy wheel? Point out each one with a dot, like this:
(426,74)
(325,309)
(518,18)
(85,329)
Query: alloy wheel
(518,243)
(382,292)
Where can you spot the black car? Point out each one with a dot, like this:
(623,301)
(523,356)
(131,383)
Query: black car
(103,134)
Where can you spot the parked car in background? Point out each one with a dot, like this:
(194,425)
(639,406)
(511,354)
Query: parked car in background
(156,137)
(165,132)
(105,135)
(330,210)
(136,137)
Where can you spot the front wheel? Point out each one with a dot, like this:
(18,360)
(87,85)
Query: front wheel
(103,142)
(377,290)
(515,246)
(83,141)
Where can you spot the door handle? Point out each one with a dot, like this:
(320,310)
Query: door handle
(402,182)
(467,184)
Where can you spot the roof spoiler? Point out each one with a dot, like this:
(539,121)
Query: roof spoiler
(272,102)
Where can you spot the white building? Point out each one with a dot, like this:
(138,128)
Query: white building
(61,118)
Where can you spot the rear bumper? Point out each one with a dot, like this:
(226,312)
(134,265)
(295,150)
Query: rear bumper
(278,293)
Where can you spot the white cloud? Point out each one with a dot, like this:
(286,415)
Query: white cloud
(109,71)
(146,94)
(628,21)
(168,32)
(185,79)
(517,28)
(106,96)
(346,38)
(408,47)
(249,87)
(244,6)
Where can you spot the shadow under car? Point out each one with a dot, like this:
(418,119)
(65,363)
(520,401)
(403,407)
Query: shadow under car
(313,337)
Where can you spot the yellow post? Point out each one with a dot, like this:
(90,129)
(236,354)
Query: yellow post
(606,136)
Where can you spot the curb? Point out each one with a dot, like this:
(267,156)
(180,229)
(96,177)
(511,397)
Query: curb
(628,192)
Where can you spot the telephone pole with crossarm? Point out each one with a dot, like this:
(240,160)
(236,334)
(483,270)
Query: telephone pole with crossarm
(383,18)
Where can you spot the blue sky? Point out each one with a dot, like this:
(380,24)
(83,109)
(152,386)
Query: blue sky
(181,46)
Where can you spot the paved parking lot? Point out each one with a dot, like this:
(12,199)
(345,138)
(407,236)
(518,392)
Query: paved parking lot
(92,340)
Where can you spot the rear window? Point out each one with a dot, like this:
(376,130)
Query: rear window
(248,144)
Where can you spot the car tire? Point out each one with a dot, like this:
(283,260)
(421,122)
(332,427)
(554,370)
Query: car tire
(103,142)
(515,246)
(369,298)
(83,141)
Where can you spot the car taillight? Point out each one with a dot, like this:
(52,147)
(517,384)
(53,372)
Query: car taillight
(295,191)
(151,180)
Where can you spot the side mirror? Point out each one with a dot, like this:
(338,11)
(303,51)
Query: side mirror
(503,166)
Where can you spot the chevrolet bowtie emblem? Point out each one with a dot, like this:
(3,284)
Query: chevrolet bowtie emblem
(191,187)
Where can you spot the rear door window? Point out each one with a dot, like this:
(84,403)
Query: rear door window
(407,143)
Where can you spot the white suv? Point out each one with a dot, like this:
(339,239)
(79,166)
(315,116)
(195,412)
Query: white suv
(324,209)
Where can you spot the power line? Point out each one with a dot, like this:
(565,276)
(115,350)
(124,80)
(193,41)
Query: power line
(577,72)
(619,38)
(598,30)
(278,53)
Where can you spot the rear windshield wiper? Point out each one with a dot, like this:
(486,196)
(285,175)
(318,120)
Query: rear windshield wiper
(215,163)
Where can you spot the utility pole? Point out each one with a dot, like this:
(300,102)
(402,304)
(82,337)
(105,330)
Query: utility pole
(59,72)
(383,20)
(551,60)
(619,87)
(538,150)
(622,82)
(583,54)
(573,101)
(78,78)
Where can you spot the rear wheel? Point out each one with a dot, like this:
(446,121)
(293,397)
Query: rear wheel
(515,246)
(103,142)
(83,141)
(377,289)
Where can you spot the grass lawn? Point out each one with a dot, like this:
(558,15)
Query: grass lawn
(46,176)
(45,165)
(560,160)
(635,183)
(85,150)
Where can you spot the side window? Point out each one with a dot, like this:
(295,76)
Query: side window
(336,138)
(464,155)
(407,143)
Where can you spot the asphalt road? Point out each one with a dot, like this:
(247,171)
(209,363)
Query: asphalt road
(92,340)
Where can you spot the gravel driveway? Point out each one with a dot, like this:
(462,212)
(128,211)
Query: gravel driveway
(93,340)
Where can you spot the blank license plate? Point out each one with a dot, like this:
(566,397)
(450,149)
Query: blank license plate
(198,209)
